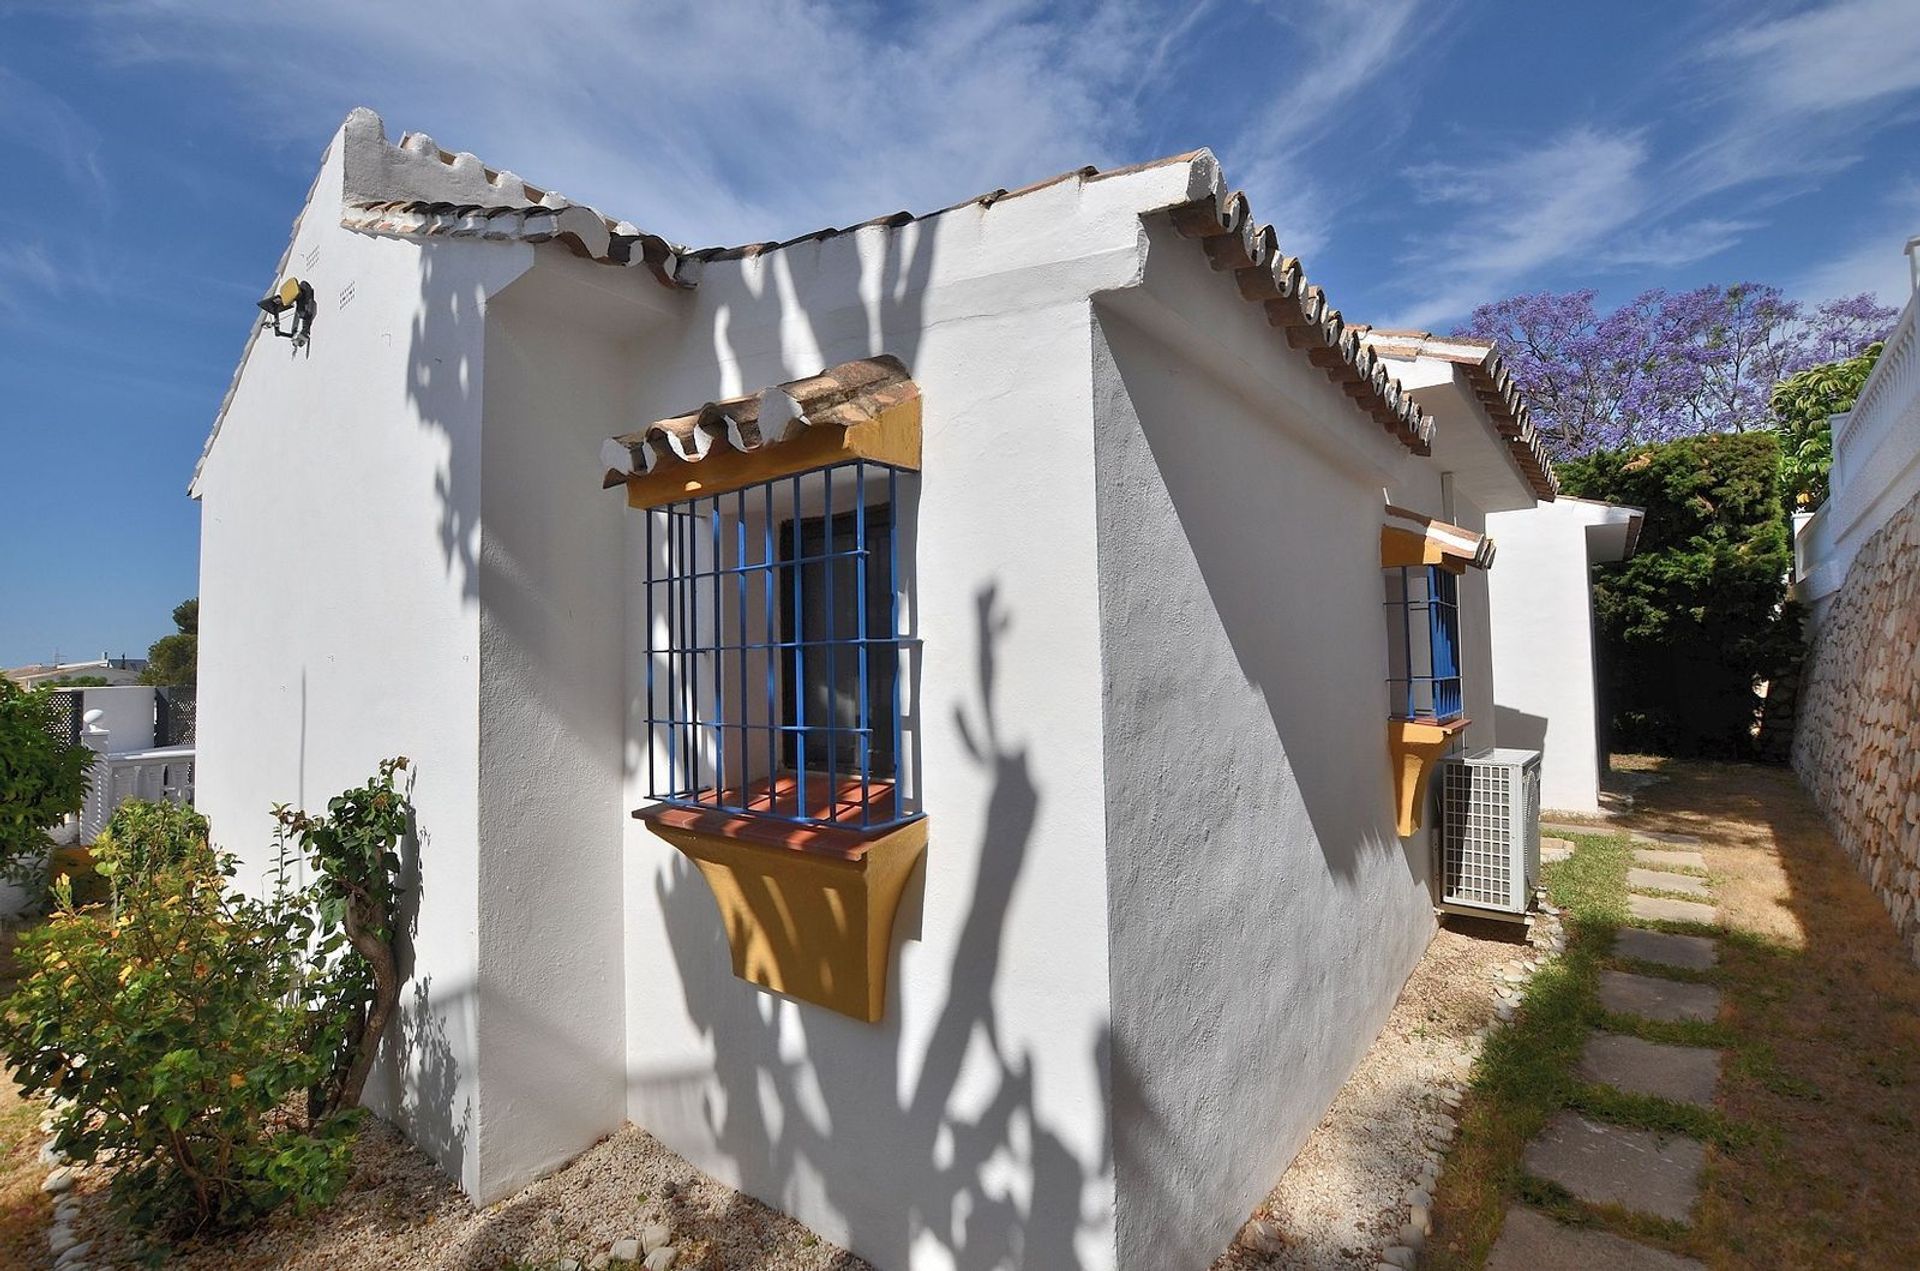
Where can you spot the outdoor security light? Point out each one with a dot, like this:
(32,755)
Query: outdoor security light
(297,297)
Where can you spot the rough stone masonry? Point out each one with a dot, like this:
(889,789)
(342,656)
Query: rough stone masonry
(1857,745)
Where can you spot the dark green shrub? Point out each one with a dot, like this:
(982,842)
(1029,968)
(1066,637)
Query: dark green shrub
(1695,619)
(42,779)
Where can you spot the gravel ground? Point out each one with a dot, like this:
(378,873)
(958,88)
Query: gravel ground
(1343,1200)
(401,1212)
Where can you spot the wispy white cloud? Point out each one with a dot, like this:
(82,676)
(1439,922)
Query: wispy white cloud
(1328,55)
(1537,206)
(702,121)
(1772,108)
(43,122)
(1875,262)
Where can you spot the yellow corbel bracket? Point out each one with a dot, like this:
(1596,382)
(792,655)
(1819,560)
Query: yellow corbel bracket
(1416,746)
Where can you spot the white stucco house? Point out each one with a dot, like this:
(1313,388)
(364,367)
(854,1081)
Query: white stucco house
(925,718)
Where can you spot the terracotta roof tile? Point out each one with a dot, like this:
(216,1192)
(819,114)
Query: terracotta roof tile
(1223,224)
(839,397)
(1493,386)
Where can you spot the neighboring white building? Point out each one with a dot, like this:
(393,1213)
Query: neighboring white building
(1546,690)
(1113,591)
(121,670)
(1547,694)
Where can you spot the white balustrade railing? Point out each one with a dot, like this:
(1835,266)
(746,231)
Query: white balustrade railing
(1876,464)
(163,774)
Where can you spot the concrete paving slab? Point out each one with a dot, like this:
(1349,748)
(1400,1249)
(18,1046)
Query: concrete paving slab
(1669,858)
(1555,849)
(1659,880)
(1670,1001)
(1603,1164)
(1660,909)
(1564,828)
(1668,840)
(1683,1074)
(1695,953)
(1531,1241)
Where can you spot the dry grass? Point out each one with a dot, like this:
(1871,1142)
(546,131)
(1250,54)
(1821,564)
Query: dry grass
(25,1210)
(1814,1142)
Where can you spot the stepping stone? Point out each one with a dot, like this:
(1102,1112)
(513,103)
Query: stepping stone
(1655,880)
(1682,1074)
(1669,858)
(1531,1241)
(1569,827)
(1555,849)
(1656,1174)
(1660,909)
(1670,840)
(1670,1001)
(1695,953)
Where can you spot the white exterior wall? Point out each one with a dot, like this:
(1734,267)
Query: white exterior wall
(1543,646)
(1263,912)
(970,1126)
(126,712)
(340,613)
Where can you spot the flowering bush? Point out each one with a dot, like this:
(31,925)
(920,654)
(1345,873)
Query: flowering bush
(212,1047)
(171,1030)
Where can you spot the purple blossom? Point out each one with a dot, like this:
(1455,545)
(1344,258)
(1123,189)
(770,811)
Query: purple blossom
(1666,364)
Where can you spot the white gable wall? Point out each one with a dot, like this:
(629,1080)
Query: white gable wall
(339,616)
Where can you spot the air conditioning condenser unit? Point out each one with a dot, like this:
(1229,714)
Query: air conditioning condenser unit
(1490,833)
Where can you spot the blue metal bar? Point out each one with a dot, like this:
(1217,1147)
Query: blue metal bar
(829,631)
(799,666)
(1406,623)
(653,774)
(768,616)
(861,740)
(689,666)
(719,662)
(739,555)
(893,626)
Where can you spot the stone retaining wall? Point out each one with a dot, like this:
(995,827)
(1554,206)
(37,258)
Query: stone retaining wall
(1857,746)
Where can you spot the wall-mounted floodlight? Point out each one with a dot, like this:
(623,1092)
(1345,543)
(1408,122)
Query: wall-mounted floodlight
(296,297)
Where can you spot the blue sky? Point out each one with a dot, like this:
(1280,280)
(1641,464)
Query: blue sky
(1420,155)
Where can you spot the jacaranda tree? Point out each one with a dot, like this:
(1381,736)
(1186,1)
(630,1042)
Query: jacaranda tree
(1666,364)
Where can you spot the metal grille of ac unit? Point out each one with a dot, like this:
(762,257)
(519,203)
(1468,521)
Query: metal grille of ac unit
(1490,831)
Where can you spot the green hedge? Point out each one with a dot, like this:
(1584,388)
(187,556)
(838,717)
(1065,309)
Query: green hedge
(1696,617)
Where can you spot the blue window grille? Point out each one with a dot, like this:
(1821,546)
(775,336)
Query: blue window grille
(1423,643)
(776,651)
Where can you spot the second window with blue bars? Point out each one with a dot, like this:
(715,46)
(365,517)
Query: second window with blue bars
(1423,643)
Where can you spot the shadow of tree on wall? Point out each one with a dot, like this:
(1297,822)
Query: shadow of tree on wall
(841,1118)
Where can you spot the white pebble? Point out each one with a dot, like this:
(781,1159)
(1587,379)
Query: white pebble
(661,1259)
(626,1249)
(59,1181)
(1422,1217)
(1399,1256)
(654,1237)
(1413,1238)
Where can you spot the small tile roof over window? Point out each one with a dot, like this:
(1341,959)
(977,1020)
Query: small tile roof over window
(1492,384)
(839,397)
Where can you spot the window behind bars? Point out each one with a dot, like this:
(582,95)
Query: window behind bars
(776,650)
